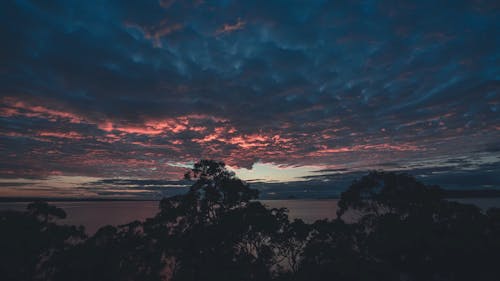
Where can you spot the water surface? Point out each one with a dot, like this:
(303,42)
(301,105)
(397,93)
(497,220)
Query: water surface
(95,214)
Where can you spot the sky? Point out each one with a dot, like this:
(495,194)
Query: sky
(117,98)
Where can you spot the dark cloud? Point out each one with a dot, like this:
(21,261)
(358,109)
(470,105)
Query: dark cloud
(13,184)
(149,189)
(132,88)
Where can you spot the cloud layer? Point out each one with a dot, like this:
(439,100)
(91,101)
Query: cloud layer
(137,89)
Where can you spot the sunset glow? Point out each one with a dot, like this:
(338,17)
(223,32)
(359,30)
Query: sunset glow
(283,94)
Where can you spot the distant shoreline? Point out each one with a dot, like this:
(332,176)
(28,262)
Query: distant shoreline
(449,194)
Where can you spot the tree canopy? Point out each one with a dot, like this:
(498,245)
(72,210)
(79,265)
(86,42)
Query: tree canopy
(404,230)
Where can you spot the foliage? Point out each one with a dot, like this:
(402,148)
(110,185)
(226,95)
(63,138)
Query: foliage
(29,240)
(403,230)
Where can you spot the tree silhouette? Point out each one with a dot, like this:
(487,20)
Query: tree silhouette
(45,212)
(388,192)
(413,233)
(28,241)
(214,232)
(112,253)
(291,243)
(403,230)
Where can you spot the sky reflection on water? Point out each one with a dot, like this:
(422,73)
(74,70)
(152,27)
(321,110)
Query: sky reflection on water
(94,215)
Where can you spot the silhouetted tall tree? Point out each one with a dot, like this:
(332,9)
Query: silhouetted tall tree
(214,232)
(388,192)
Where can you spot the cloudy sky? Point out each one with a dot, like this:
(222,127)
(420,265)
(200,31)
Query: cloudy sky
(117,98)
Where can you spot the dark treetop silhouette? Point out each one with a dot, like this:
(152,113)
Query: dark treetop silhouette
(389,227)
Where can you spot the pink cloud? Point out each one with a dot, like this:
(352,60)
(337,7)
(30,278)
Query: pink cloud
(366,148)
(155,33)
(15,107)
(228,28)
(66,135)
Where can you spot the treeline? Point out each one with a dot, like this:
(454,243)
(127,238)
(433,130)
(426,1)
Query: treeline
(389,227)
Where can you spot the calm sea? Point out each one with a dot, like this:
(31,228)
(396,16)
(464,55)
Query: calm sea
(94,215)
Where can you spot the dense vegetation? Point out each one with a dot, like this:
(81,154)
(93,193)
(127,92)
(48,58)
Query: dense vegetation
(389,227)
